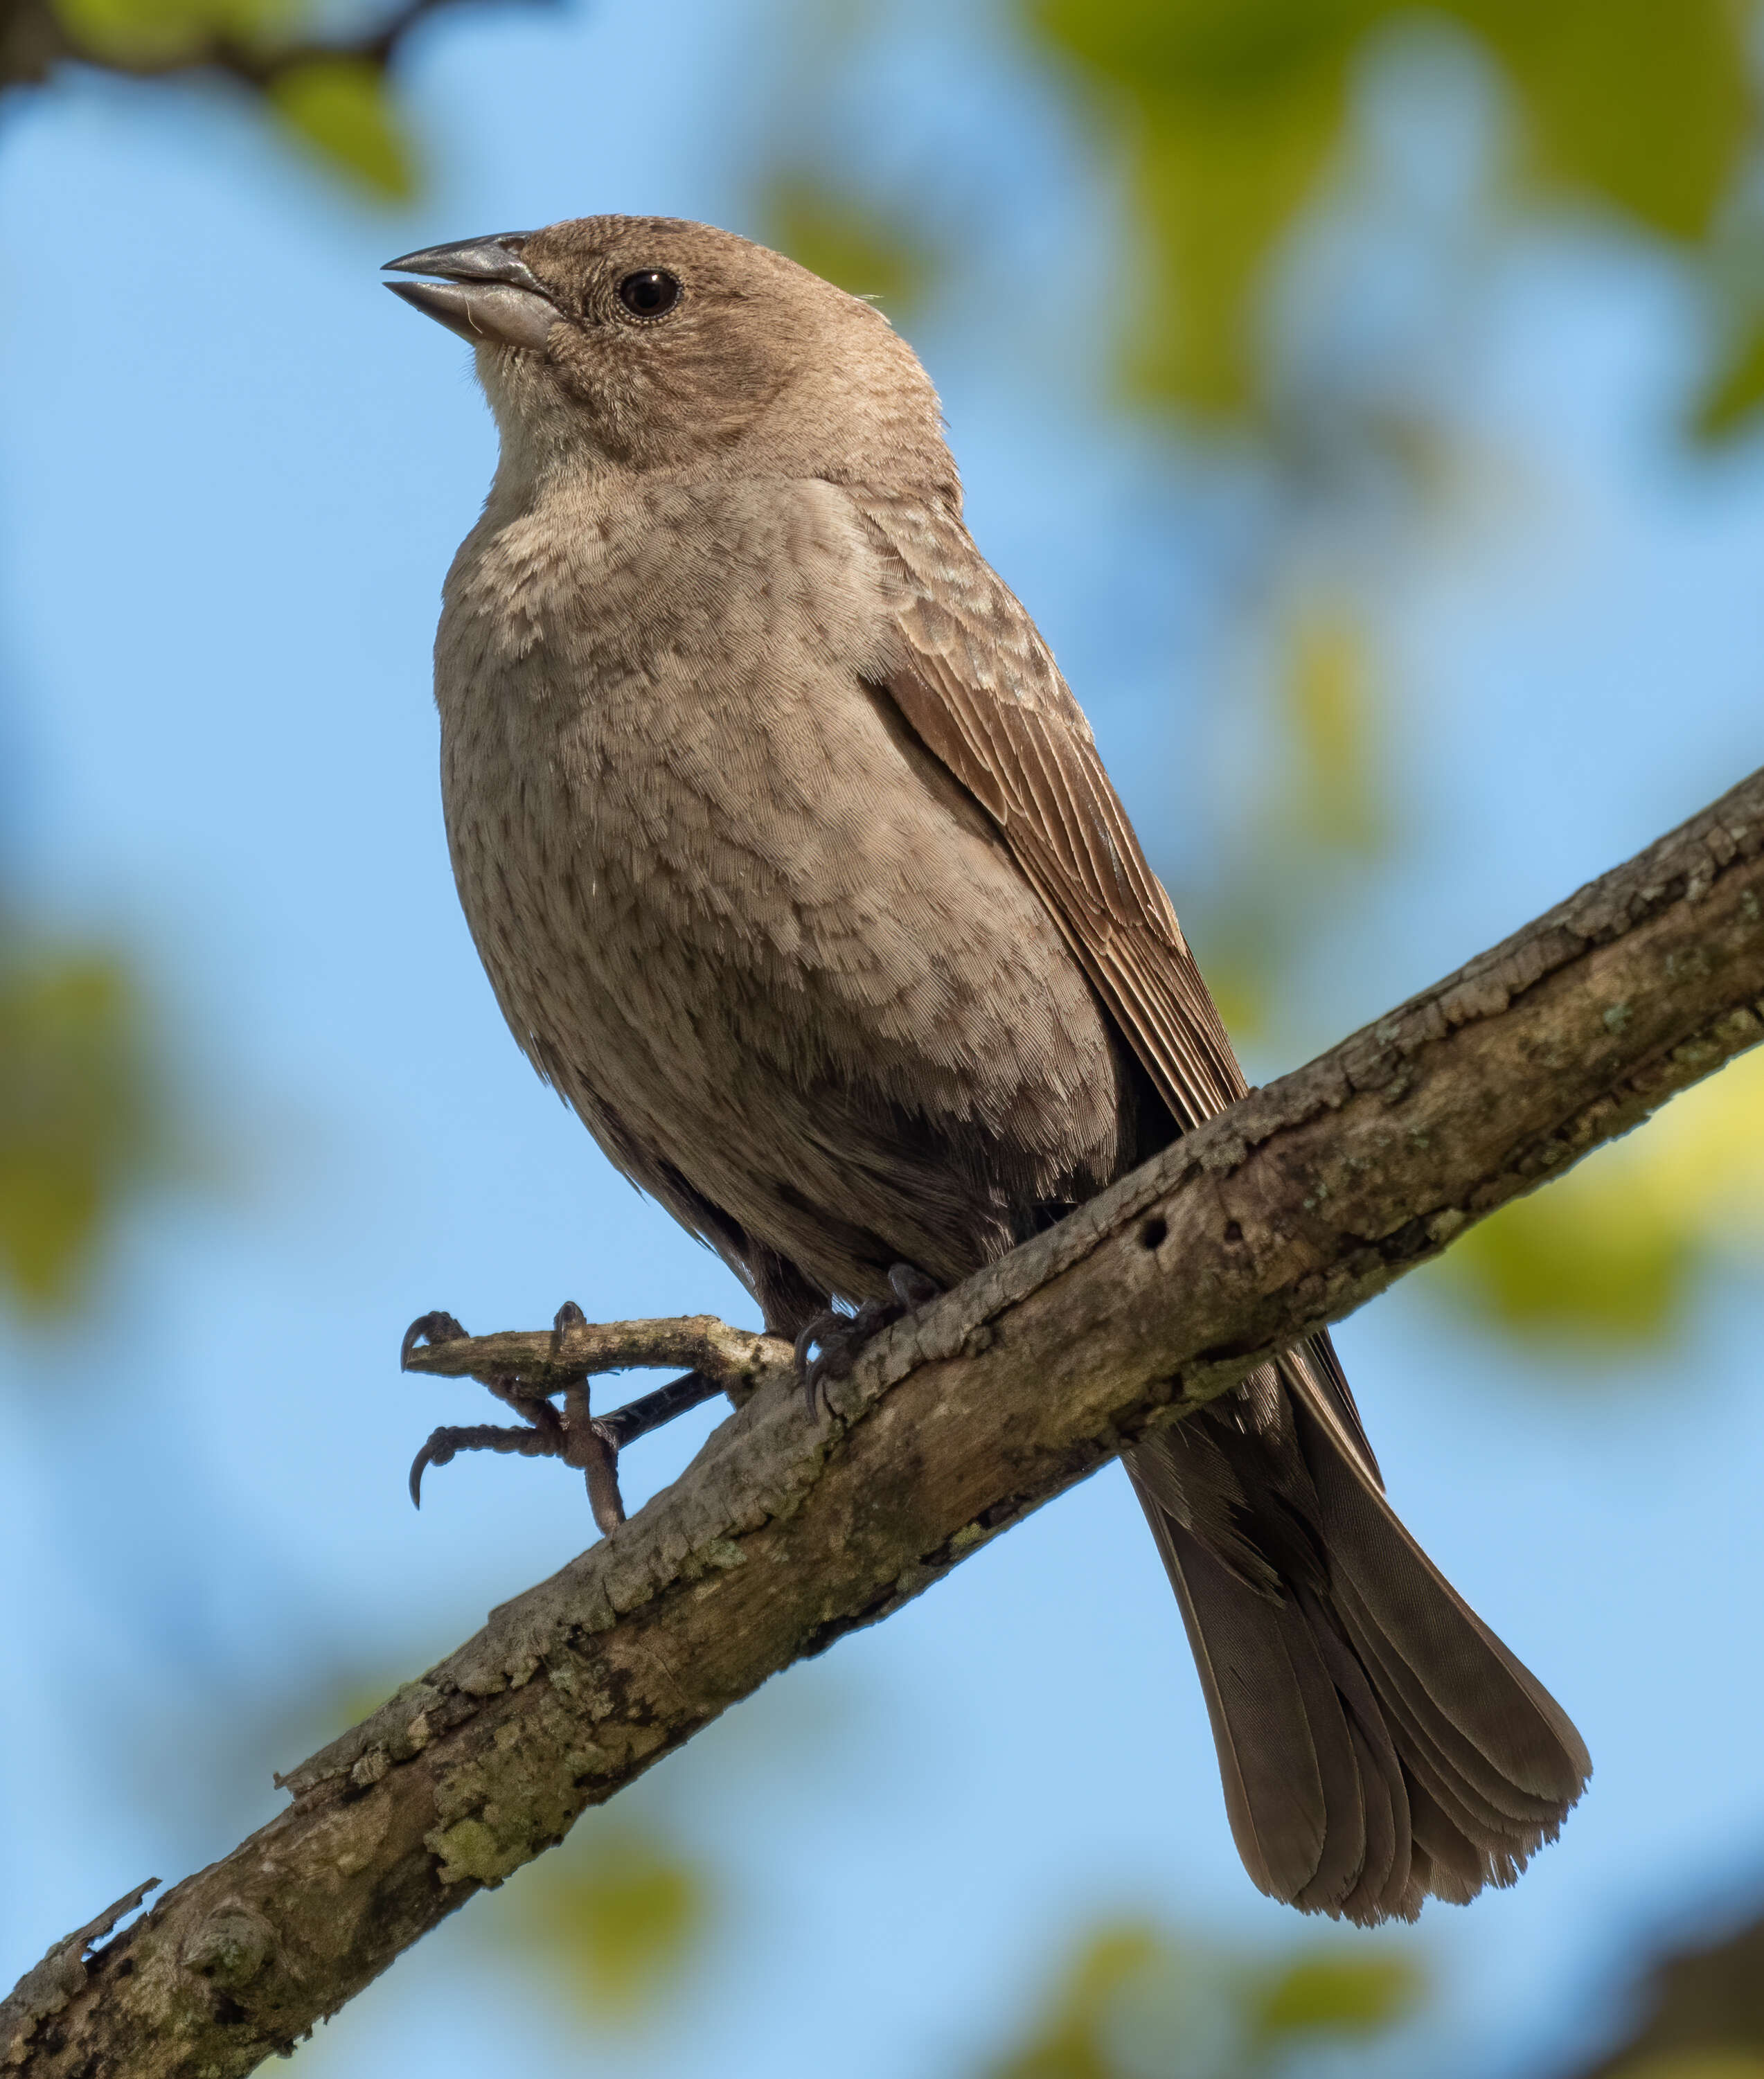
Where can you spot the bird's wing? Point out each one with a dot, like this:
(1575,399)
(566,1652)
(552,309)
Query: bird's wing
(981,689)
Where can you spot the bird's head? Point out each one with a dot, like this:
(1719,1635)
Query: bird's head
(647,343)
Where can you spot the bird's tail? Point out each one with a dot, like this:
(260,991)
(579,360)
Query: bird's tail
(1378,1743)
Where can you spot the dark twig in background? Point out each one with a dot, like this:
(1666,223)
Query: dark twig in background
(1698,2004)
(35,37)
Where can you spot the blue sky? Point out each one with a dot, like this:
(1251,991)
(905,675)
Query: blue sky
(234,470)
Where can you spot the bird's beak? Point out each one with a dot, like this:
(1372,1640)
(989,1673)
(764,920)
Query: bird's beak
(486,293)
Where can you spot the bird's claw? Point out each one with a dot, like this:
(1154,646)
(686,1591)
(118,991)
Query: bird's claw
(430,1329)
(447,1443)
(838,1339)
(569,1316)
(571,1434)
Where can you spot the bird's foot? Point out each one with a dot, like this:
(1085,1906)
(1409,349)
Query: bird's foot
(837,1339)
(529,1372)
(571,1433)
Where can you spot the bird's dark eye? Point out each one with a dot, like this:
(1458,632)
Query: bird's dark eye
(651,294)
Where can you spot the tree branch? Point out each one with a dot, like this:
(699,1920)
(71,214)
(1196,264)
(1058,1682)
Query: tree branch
(1285,1212)
(35,37)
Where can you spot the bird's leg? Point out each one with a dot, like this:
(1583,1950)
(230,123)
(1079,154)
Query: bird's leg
(526,1372)
(837,1339)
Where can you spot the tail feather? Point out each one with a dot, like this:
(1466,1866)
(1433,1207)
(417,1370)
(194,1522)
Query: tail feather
(1382,1885)
(1493,1703)
(1274,1793)
(1378,1743)
(1458,1868)
(1455,1799)
(1346,1836)
(1468,1777)
(1386,1883)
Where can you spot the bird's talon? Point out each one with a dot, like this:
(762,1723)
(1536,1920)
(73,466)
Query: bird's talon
(841,1338)
(569,1316)
(912,1287)
(823,1330)
(430,1329)
(446,1443)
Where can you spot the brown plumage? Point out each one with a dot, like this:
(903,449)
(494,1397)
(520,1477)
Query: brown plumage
(794,866)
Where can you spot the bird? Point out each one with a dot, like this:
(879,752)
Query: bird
(794,867)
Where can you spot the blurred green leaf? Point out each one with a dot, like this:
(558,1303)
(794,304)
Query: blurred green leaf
(847,243)
(618,1916)
(341,108)
(1736,391)
(1233,111)
(1335,1992)
(1588,1267)
(1606,1254)
(158,31)
(1218,188)
(1134,2002)
(1312,818)
(1070,2042)
(1241,979)
(1332,711)
(1648,108)
(76,1108)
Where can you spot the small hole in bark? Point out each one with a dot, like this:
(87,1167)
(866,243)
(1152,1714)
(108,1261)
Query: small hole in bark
(228,2013)
(1233,1232)
(1152,1234)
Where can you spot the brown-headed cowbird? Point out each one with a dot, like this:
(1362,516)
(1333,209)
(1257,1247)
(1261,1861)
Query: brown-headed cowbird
(796,870)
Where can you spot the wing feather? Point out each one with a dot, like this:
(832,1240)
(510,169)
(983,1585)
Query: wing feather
(979,688)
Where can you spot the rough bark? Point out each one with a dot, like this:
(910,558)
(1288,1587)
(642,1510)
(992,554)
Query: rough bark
(1285,1212)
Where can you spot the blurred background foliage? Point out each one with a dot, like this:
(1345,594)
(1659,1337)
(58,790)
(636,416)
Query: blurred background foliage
(1233,113)
(616,1916)
(1237,127)
(81,1113)
(1250,142)
(85,1113)
(1134,2001)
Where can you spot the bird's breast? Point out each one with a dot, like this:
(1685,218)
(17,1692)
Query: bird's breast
(701,851)
(652,717)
